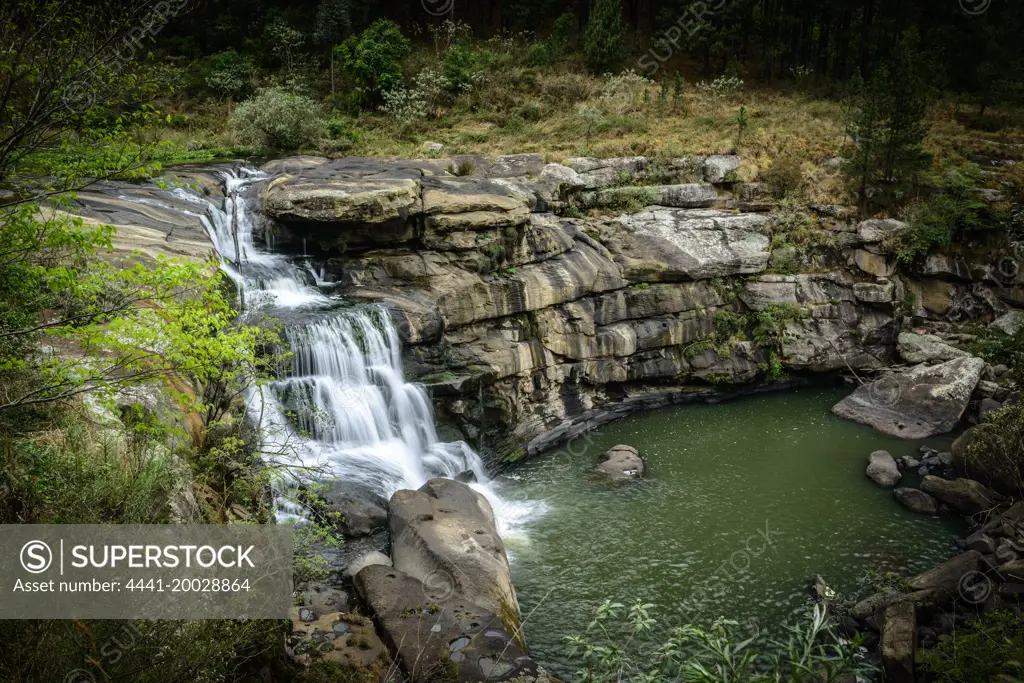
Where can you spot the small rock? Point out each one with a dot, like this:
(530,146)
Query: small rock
(911,463)
(820,590)
(923,470)
(882,469)
(433,146)
(988,405)
(966,496)
(467,477)
(945,459)
(621,463)
(916,501)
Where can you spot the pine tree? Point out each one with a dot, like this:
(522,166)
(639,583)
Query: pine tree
(605,43)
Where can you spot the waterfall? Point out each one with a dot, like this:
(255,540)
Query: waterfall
(346,407)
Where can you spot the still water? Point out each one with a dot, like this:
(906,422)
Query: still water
(742,503)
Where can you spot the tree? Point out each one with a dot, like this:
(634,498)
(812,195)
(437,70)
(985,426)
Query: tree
(333,24)
(71,74)
(886,124)
(375,59)
(605,41)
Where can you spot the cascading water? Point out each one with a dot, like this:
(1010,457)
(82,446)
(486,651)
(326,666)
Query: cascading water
(345,407)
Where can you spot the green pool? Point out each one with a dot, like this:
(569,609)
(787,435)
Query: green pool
(742,504)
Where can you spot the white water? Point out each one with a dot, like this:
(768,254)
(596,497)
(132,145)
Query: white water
(358,419)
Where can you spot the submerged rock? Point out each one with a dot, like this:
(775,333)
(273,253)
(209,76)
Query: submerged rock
(882,469)
(917,404)
(966,496)
(916,501)
(621,463)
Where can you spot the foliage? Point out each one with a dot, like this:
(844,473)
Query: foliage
(604,44)
(987,649)
(333,21)
(812,653)
(624,93)
(784,176)
(463,67)
(286,42)
(952,211)
(277,119)
(229,74)
(375,59)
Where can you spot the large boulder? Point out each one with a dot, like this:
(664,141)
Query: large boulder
(342,200)
(966,496)
(916,501)
(717,168)
(438,634)
(875,231)
(445,533)
(926,348)
(882,469)
(621,463)
(362,512)
(1009,323)
(899,643)
(946,577)
(917,404)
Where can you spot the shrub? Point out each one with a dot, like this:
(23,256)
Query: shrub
(463,66)
(276,119)
(229,74)
(375,59)
(988,649)
(605,42)
(405,106)
(625,93)
(784,176)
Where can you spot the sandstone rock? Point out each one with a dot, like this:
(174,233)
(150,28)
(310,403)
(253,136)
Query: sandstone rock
(697,244)
(598,173)
(621,463)
(882,469)
(916,501)
(370,559)
(879,230)
(1009,323)
(966,496)
(917,404)
(439,634)
(433,146)
(926,348)
(946,577)
(899,643)
(718,167)
(349,640)
(868,292)
(362,511)
(874,264)
(342,200)
(446,529)
(949,267)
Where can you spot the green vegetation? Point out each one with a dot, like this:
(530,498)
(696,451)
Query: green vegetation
(279,120)
(987,649)
(605,41)
(812,653)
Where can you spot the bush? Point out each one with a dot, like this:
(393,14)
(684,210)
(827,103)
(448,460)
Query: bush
(784,176)
(375,59)
(228,74)
(989,649)
(278,120)
(605,42)
(463,67)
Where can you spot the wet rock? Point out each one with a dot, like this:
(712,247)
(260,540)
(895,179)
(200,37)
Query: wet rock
(926,348)
(362,511)
(621,463)
(916,501)
(981,542)
(820,590)
(966,496)
(882,469)
(899,643)
(438,633)
(370,559)
(917,404)
(446,532)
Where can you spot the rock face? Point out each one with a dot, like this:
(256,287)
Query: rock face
(916,501)
(882,469)
(917,404)
(439,634)
(444,534)
(966,496)
(532,326)
(621,463)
